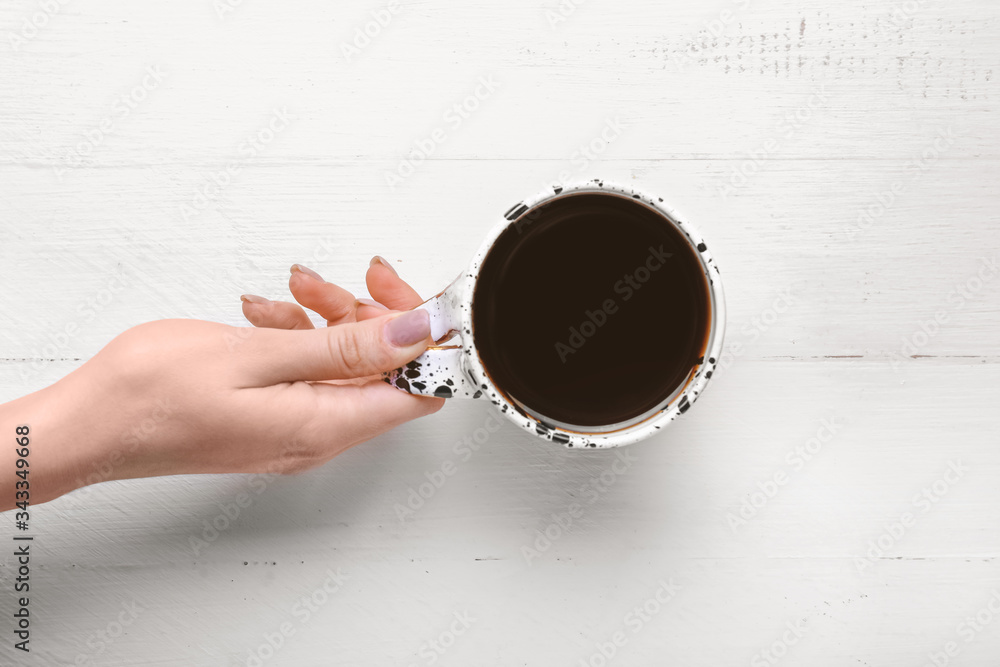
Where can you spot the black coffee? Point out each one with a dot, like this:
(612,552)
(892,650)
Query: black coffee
(591,309)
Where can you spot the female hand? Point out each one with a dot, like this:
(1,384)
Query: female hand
(188,396)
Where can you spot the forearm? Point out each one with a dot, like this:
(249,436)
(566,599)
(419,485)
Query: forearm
(56,456)
(78,436)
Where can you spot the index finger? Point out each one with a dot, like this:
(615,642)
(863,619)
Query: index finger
(386,287)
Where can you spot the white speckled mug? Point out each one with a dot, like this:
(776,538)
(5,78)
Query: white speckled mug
(454,366)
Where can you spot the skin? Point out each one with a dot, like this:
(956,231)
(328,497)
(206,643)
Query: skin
(186,396)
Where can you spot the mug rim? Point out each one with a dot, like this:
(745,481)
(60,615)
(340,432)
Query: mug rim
(635,428)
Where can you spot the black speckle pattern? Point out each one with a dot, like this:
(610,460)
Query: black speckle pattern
(515,211)
(684,405)
(443,392)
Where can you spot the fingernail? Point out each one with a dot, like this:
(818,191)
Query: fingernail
(411,327)
(298,268)
(368,302)
(253,298)
(381,260)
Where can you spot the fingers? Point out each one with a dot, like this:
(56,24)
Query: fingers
(351,350)
(388,288)
(262,312)
(332,302)
(366,309)
(360,412)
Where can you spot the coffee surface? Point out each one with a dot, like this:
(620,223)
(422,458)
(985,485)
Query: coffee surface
(590,310)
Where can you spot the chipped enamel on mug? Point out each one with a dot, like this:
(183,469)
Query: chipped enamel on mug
(452,368)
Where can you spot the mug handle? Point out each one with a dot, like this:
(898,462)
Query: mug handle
(439,370)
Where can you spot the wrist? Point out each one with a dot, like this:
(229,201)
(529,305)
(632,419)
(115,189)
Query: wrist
(55,459)
(79,435)
(110,424)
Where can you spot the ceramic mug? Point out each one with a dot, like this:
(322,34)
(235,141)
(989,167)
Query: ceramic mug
(452,367)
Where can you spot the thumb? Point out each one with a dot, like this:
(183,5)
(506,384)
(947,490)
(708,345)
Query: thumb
(341,352)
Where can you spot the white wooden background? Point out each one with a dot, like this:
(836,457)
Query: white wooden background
(869,88)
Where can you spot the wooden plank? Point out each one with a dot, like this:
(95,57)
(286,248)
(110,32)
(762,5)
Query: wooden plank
(795,234)
(805,556)
(842,156)
(847,73)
